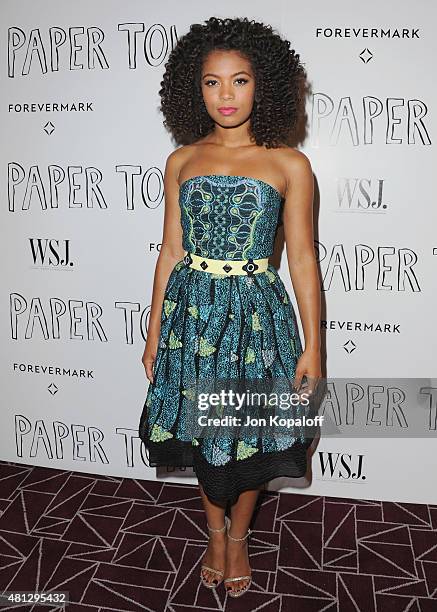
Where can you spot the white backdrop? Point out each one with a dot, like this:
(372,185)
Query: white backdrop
(82,160)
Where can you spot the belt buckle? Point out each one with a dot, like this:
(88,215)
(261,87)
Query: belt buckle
(249,267)
(188,259)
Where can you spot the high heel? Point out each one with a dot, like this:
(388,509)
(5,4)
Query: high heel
(213,584)
(240,591)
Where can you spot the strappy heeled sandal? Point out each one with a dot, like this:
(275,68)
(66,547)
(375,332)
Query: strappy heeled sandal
(215,581)
(240,591)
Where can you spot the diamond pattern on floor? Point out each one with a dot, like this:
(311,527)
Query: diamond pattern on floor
(119,544)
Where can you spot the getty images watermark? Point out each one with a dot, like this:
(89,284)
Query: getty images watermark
(336,407)
(239,402)
(253,408)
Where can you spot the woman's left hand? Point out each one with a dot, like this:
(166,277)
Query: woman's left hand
(309,365)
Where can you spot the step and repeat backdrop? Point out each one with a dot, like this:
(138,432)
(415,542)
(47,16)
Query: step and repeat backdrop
(82,202)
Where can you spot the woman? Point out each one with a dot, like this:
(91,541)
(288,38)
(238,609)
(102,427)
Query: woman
(230,97)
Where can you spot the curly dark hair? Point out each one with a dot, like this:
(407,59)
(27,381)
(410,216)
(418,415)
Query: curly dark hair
(278,71)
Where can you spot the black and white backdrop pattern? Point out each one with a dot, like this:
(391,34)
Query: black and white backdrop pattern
(82,159)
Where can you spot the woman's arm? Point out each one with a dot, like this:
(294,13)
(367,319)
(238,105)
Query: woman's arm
(171,252)
(299,238)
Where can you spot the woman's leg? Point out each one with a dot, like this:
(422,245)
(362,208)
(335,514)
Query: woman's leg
(216,552)
(237,556)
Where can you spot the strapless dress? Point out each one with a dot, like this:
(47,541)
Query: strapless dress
(216,325)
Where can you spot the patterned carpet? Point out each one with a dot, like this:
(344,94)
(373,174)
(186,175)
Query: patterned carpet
(122,544)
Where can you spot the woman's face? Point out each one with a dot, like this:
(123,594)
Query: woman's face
(228,82)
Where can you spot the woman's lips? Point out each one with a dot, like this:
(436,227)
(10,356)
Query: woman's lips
(227,110)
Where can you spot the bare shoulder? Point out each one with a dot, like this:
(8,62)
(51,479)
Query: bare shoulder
(176,159)
(290,155)
(295,166)
(297,172)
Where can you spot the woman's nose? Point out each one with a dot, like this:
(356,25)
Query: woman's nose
(226,93)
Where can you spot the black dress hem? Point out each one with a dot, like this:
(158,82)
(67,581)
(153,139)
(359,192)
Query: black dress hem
(223,484)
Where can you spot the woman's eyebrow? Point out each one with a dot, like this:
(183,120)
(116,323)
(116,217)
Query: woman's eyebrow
(232,75)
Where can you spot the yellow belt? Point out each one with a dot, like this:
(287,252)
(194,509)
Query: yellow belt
(226,266)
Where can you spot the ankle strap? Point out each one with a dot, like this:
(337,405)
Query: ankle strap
(249,531)
(221,528)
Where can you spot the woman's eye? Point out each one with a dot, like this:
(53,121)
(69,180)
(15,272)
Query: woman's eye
(210,81)
(242,80)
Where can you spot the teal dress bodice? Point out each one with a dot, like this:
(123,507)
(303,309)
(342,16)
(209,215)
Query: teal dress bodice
(229,217)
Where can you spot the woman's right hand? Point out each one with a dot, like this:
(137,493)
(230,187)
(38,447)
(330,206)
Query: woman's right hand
(149,355)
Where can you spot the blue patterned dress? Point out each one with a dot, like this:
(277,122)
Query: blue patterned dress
(243,326)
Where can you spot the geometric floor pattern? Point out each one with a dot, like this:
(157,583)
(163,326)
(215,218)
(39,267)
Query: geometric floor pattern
(125,544)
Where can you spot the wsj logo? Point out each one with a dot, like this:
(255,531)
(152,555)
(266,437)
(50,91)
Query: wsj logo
(360,195)
(341,466)
(49,252)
